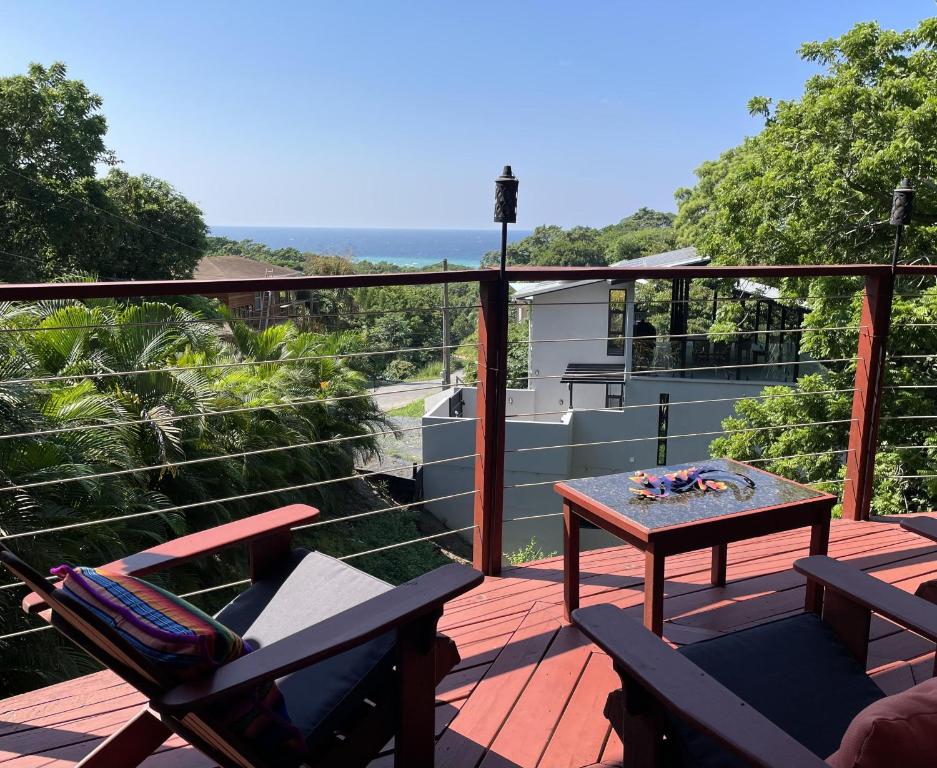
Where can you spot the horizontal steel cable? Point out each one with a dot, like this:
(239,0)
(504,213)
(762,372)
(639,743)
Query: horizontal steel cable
(369,513)
(793,393)
(223,412)
(23,632)
(223,320)
(318,524)
(222,366)
(911,357)
(533,517)
(658,371)
(796,456)
(405,543)
(210,459)
(701,335)
(209,502)
(674,437)
(243,582)
(708,302)
(590,477)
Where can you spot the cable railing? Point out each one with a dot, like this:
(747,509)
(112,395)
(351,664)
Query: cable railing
(480,468)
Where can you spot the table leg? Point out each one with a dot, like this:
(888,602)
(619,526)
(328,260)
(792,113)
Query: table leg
(654,592)
(570,559)
(717,573)
(819,544)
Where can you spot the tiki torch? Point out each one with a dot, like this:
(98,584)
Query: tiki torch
(902,204)
(505,208)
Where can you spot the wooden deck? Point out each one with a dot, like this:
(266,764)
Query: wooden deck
(530,689)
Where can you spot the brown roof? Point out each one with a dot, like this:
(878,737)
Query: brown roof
(233,267)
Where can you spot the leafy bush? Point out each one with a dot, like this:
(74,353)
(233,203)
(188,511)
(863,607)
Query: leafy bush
(399,370)
(528,553)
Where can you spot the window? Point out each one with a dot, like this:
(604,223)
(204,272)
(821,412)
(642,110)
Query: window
(616,323)
(614,395)
(663,427)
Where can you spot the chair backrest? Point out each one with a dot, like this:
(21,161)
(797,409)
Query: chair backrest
(101,642)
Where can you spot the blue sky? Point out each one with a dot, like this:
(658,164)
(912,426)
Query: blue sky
(393,113)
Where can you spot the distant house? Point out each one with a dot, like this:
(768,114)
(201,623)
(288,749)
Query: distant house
(258,305)
(622,375)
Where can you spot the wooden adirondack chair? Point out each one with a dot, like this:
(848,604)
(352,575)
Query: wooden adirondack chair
(726,699)
(363,672)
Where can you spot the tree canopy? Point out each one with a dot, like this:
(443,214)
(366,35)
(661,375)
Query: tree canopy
(815,186)
(643,233)
(57,216)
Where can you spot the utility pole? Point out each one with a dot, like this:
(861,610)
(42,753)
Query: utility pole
(446,342)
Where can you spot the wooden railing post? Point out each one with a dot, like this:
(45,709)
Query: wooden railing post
(489,430)
(867,397)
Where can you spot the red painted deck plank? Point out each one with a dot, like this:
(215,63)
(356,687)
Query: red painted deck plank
(527,693)
(526,733)
(582,730)
(472,731)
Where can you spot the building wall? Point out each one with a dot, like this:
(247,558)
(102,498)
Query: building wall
(529,474)
(552,316)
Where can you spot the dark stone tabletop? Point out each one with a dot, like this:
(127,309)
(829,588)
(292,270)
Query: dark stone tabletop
(613,491)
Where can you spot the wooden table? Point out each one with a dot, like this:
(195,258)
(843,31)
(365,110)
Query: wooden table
(689,521)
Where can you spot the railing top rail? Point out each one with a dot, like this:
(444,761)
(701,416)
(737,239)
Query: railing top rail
(537,274)
(137,288)
(134,288)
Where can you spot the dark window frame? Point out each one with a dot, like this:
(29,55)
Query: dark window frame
(617,310)
(663,427)
(615,399)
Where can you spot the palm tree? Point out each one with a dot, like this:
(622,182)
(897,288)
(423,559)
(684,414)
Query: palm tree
(113,409)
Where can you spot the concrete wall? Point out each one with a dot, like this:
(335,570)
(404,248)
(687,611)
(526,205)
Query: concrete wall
(552,316)
(529,474)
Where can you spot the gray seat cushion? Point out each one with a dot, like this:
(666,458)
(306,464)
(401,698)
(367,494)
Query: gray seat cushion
(795,672)
(309,589)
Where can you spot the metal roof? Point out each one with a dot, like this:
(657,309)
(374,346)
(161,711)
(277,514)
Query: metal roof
(594,373)
(682,257)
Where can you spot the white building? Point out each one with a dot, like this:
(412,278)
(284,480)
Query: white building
(602,399)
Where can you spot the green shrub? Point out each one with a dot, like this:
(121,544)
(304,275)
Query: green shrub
(399,370)
(529,552)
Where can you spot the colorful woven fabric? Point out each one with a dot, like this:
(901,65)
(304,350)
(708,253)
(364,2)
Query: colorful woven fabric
(683,480)
(183,643)
(162,627)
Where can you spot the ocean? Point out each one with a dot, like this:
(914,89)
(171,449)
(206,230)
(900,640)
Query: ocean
(406,247)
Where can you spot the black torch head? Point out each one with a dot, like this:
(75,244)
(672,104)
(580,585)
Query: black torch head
(901,204)
(506,196)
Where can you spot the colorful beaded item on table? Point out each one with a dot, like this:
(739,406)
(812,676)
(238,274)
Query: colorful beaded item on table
(690,479)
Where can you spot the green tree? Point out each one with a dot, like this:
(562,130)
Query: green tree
(159,233)
(814,186)
(643,233)
(56,216)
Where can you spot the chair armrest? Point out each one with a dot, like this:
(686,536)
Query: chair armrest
(922,526)
(878,596)
(412,601)
(185,548)
(680,687)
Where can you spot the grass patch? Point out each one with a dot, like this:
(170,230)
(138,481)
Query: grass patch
(410,409)
(432,370)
